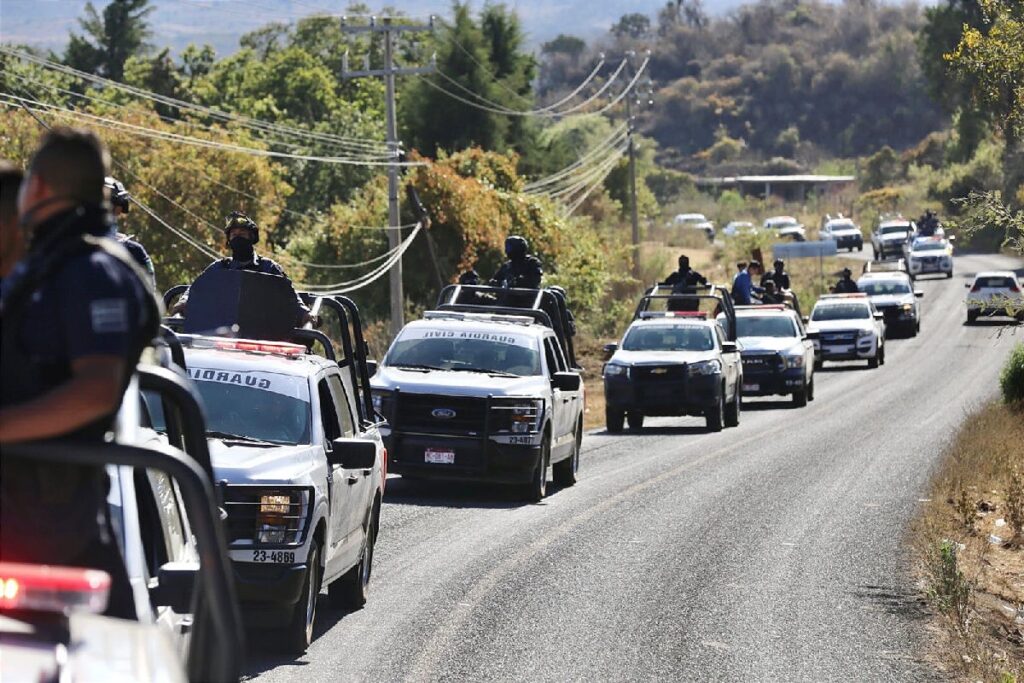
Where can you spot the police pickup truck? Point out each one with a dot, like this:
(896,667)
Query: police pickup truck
(889,237)
(676,359)
(894,296)
(847,327)
(485,388)
(295,447)
(777,353)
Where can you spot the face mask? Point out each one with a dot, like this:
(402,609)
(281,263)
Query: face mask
(241,248)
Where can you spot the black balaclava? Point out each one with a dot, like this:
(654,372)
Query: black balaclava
(516,247)
(241,248)
(684,263)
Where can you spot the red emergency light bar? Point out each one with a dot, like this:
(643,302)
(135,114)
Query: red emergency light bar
(849,295)
(280,348)
(43,588)
(673,314)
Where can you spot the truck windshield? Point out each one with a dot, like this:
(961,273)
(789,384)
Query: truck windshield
(929,246)
(882,288)
(765,326)
(668,338)
(893,229)
(486,351)
(251,405)
(841,312)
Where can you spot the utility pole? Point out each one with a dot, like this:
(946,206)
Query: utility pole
(389,29)
(634,209)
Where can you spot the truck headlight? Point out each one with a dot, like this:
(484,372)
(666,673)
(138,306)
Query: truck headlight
(616,370)
(381,401)
(864,334)
(794,361)
(281,516)
(518,416)
(705,367)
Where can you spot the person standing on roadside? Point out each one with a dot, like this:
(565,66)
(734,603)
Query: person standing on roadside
(12,243)
(742,286)
(75,316)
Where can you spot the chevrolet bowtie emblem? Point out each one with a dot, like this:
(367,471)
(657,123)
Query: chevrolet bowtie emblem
(659,371)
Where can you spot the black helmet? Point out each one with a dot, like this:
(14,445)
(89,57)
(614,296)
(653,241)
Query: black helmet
(516,247)
(847,272)
(779,263)
(119,196)
(684,261)
(237,219)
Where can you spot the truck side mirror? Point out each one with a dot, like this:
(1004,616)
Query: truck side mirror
(609,350)
(566,381)
(812,334)
(371,367)
(175,584)
(919,293)
(729,347)
(352,454)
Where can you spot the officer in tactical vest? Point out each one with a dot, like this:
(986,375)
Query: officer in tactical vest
(75,316)
(241,235)
(521,269)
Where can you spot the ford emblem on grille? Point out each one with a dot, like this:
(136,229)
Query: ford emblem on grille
(443,413)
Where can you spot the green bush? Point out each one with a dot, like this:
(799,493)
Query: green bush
(1011,380)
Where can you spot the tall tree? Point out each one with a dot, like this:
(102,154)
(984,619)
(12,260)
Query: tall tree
(111,38)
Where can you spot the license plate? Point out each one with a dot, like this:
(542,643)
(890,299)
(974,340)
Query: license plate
(439,457)
(274,556)
(751,387)
(838,349)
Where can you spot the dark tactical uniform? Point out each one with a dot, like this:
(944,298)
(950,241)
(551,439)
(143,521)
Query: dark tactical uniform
(525,272)
(846,285)
(76,294)
(780,278)
(139,255)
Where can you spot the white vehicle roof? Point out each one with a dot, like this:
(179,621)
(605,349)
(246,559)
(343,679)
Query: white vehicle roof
(996,273)
(691,217)
(841,223)
(768,309)
(844,301)
(672,321)
(777,220)
(896,221)
(299,365)
(885,275)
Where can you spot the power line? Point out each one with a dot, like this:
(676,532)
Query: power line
(617,136)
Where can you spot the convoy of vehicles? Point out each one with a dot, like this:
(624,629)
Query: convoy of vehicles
(676,358)
(894,296)
(777,353)
(786,227)
(847,327)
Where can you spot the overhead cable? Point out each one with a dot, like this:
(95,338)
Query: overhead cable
(617,136)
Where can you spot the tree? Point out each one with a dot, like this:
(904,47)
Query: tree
(565,45)
(110,39)
(634,25)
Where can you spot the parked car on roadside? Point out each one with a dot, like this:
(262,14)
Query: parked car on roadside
(889,237)
(844,232)
(695,221)
(734,228)
(786,227)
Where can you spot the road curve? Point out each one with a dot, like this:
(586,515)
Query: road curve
(772,551)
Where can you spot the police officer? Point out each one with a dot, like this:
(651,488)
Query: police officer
(241,234)
(75,316)
(470,277)
(846,285)
(521,269)
(120,204)
(12,244)
(685,278)
(771,295)
(928,224)
(778,275)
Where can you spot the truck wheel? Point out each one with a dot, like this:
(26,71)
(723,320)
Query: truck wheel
(810,389)
(971,317)
(818,364)
(564,473)
(613,419)
(860,247)
(800,398)
(538,486)
(298,634)
(636,420)
(873,362)
(949,274)
(714,416)
(352,590)
(732,411)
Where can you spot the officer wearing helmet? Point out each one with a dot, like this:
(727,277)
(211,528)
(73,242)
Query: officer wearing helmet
(928,223)
(846,285)
(120,203)
(779,276)
(522,269)
(241,234)
(684,279)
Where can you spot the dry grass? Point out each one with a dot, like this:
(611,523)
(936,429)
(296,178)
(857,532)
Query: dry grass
(970,547)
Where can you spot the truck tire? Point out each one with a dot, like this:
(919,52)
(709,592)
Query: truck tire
(535,491)
(732,411)
(298,634)
(714,416)
(564,473)
(874,362)
(810,389)
(613,419)
(971,316)
(352,590)
(636,420)
(800,397)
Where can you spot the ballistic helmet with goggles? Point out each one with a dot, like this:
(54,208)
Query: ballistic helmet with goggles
(516,247)
(119,196)
(237,219)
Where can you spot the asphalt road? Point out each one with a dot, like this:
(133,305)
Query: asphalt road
(772,551)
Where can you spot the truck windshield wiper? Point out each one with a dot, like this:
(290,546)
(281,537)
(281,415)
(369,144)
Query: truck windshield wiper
(228,436)
(495,373)
(415,366)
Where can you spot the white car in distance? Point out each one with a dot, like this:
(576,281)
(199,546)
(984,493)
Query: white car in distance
(695,221)
(995,293)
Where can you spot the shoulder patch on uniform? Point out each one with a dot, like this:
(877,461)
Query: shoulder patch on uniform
(109,316)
